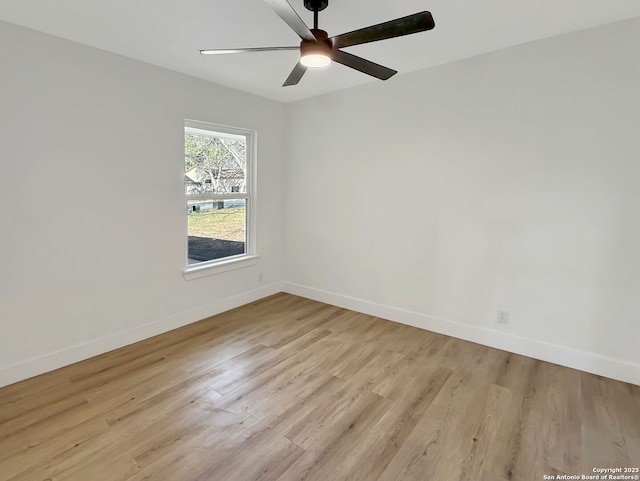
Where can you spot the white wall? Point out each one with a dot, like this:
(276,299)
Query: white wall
(507,181)
(93,225)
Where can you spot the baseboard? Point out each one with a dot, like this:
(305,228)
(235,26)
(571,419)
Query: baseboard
(63,357)
(562,355)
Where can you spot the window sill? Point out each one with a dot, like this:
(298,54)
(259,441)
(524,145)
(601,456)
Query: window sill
(205,269)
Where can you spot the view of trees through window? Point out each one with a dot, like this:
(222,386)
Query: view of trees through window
(214,164)
(217,197)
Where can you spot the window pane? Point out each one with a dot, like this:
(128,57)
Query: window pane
(214,163)
(217,229)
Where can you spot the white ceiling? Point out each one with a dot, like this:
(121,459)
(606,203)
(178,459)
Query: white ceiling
(170,33)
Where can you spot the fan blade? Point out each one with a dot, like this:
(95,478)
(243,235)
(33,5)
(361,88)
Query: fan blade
(415,23)
(291,18)
(295,75)
(221,51)
(363,65)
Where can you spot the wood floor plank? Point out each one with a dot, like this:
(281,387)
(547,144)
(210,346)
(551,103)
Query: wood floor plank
(45,446)
(401,418)
(326,457)
(287,389)
(603,434)
(488,436)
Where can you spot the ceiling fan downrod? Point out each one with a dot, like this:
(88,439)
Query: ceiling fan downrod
(316,6)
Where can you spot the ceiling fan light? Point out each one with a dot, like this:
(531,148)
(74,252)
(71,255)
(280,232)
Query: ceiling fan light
(315,60)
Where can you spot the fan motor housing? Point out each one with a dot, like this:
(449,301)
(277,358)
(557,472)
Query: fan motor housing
(316,5)
(322,46)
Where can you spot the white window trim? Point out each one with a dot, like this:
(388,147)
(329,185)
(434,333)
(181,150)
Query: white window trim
(217,266)
(204,269)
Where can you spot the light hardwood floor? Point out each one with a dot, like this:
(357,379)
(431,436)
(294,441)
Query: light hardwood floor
(290,389)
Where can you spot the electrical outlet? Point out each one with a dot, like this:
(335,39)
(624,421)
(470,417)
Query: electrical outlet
(503,317)
(260,277)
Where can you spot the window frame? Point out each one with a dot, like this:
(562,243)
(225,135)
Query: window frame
(250,257)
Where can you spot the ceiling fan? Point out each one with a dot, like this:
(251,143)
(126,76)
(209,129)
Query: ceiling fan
(317,49)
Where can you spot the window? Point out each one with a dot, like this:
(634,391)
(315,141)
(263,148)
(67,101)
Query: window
(218,182)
